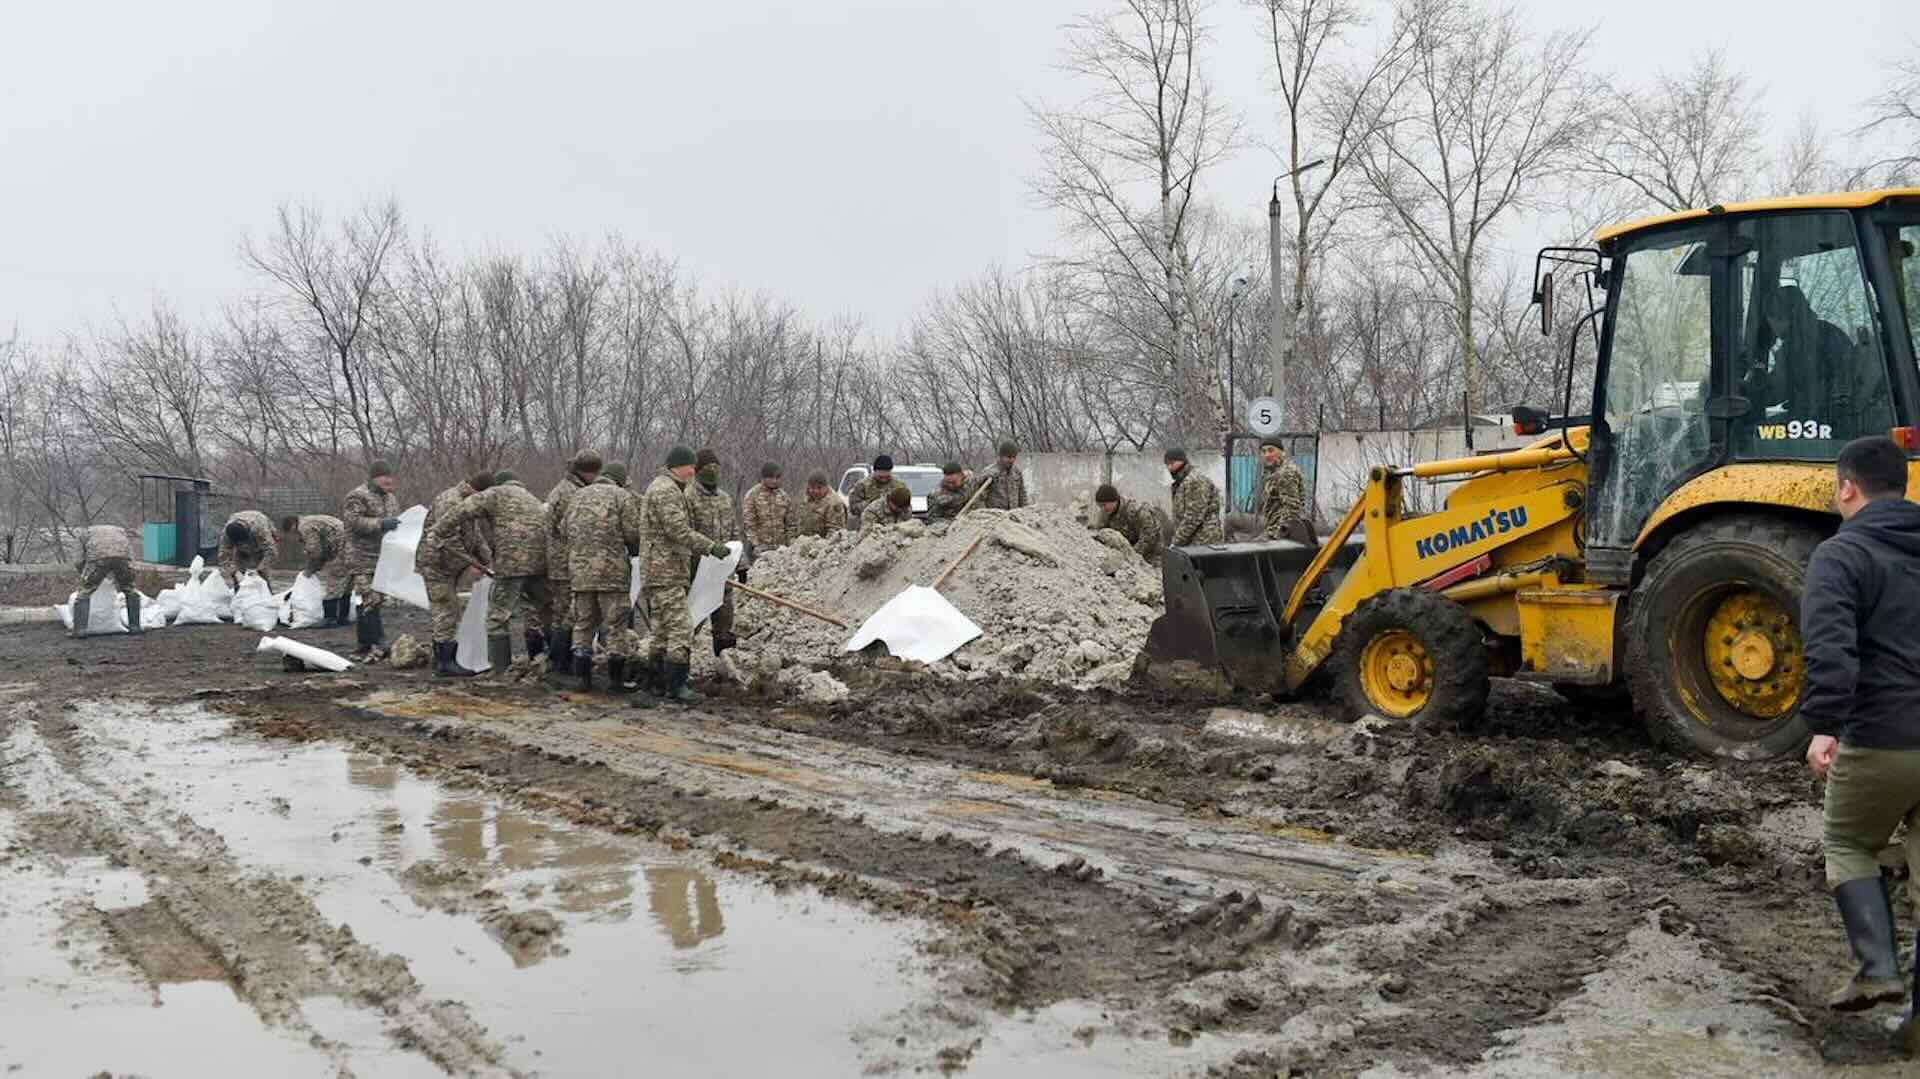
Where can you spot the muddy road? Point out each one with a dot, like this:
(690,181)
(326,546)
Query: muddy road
(209,866)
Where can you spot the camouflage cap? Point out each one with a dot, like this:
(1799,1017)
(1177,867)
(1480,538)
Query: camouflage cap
(586,461)
(1275,442)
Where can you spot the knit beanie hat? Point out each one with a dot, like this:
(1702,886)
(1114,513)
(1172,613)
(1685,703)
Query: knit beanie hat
(679,457)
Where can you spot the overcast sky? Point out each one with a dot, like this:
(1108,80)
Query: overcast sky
(849,156)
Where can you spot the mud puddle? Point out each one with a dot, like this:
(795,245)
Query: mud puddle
(311,910)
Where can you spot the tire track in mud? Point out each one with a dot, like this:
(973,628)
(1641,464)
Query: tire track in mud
(271,944)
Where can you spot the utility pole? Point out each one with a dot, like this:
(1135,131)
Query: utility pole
(1280,328)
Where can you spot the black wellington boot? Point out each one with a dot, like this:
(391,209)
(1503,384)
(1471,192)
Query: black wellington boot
(133,613)
(364,637)
(560,650)
(1868,917)
(583,669)
(329,612)
(536,642)
(500,654)
(1909,1033)
(617,676)
(446,663)
(677,688)
(82,614)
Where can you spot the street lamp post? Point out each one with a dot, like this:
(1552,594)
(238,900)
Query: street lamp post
(1280,329)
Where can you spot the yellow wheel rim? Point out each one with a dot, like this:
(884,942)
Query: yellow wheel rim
(1753,655)
(1396,673)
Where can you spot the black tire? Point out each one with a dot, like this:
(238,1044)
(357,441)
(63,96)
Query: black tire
(1456,679)
(1674,691)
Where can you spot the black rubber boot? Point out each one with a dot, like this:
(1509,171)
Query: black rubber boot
(82,614)
(1868,917)
(560,649)
(583,669)
(133,613)
(654,676)
(617,676)
(500,654)
(343,610)
(329,612)
(536,643)
(378,634)
(445,661)
(722,642)
(363,637)
(677,688)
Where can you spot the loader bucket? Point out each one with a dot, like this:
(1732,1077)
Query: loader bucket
(1222,620)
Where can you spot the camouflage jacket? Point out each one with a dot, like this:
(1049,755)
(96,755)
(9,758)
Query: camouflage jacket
(1196,510)
(519,523)
(365,507)
(601,525)
(819,516)
(1141,526)
(263,539)
(880,513)
(101,542)
(1009,490)
(1283,497)
(671,539)
(868,490)
(712,511)
(771,518)
(945,503)
(559,569)
(439,560)
(324,539)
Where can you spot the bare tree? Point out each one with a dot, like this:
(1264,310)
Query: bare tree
(153,392)
(1124,168)
(1895,114)
(1330,108)
(333,281)
(1483,114)
(1689,140)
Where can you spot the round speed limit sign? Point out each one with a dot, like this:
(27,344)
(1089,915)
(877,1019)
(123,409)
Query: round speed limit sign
(1263,416)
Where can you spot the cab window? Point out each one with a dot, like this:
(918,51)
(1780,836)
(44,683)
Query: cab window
(1808,360)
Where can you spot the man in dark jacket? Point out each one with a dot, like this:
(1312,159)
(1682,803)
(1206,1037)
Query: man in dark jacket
(1862,703)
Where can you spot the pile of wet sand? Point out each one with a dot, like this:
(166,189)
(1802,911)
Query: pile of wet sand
(1054,602)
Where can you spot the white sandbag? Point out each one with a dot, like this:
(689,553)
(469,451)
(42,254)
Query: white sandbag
(394,573)
(634,581)
(918,624)
(167,604)
(151,616)
(305,603)
(253,604)
(205,600)
(709,589)
(471,634)
(107,613)
(65,611)
(305,653)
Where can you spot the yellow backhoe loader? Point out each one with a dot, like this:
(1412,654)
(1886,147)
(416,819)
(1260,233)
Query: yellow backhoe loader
(1655,548)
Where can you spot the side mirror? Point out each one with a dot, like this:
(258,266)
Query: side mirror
(1543,295)
(1529,421)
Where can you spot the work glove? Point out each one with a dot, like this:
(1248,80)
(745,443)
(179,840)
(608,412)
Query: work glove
(741,573)
(388,524)
(720,550)
(633,550)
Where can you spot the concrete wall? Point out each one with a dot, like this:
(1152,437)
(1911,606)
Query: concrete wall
(1341,463)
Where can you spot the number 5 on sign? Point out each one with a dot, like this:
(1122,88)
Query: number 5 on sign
(1263,416)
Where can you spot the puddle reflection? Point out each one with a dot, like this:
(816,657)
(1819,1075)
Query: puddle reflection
(685,904)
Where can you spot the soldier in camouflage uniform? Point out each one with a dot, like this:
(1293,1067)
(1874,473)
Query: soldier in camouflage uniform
(1133,519)
(872,489)
(712,511)
(442,568)
(519,567)
(583,470)
(247,543)
(370,513)
(772,520)
(821,512)
(672,544)
(599,533)
(948,499)
(324,541)
(891,510)
(1283,492)
(1009,490)
(105,551)
(1196,504)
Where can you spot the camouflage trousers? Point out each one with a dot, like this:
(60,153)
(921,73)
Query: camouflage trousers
(443,602)
(558,612)
(667,614)
(527,595)
(592,610)
(333,578)
(99,569)
(360,579)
